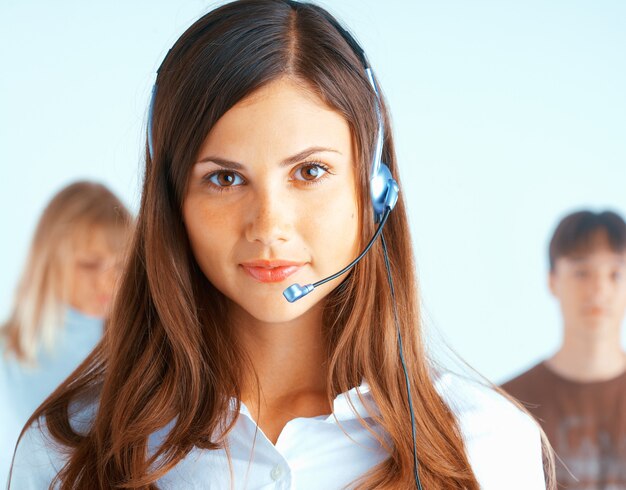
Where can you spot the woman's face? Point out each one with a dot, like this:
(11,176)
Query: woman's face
(94,270)
(272,200)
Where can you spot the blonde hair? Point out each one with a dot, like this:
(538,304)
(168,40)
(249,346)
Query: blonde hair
(41,294)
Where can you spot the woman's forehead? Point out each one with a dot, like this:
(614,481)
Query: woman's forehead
(279,120)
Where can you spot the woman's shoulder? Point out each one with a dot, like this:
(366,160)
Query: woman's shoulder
(38,459)
(39,456)
(503,443)
(474,398)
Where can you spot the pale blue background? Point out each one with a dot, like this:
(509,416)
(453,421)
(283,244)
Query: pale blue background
(507,114)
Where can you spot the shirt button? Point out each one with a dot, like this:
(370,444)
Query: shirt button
(276,473)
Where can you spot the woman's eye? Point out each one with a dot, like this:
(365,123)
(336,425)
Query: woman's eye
(310,172)
(225,179)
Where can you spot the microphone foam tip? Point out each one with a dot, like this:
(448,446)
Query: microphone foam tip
(295,292)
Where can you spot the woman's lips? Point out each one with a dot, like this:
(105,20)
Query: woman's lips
(271,271)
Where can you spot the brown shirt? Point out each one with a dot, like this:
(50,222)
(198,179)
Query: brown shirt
(585,422)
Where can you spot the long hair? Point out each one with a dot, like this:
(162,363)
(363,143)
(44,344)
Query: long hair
(168,357)
(42,292)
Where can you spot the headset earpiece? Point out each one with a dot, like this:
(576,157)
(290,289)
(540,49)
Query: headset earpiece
(384,191)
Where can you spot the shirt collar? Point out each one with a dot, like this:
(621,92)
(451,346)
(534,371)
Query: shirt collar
(350,405)
(355,403)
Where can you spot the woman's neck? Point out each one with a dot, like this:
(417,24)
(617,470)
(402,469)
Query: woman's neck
(290,369)
(286,357)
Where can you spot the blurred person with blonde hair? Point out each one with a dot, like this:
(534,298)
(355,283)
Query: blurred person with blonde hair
(61,301)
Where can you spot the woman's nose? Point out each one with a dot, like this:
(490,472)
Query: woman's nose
(269,219)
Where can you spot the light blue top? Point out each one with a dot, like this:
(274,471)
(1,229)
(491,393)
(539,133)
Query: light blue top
(24,388)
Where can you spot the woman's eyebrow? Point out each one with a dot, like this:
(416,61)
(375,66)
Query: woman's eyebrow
(232,165)
(306,153)
(222,162)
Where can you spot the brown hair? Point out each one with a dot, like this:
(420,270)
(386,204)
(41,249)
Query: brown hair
(40,297)
(576,233)
(169,330)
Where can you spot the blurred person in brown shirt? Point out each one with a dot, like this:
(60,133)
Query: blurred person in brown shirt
(579,394)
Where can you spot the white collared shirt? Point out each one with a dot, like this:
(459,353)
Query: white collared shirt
(331,452)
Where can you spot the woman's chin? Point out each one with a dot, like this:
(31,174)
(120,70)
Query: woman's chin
(274,310)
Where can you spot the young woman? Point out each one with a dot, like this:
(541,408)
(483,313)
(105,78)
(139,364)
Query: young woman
(63,296)
(261,145)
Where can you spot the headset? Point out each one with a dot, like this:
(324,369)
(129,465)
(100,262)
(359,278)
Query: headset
(384,191)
